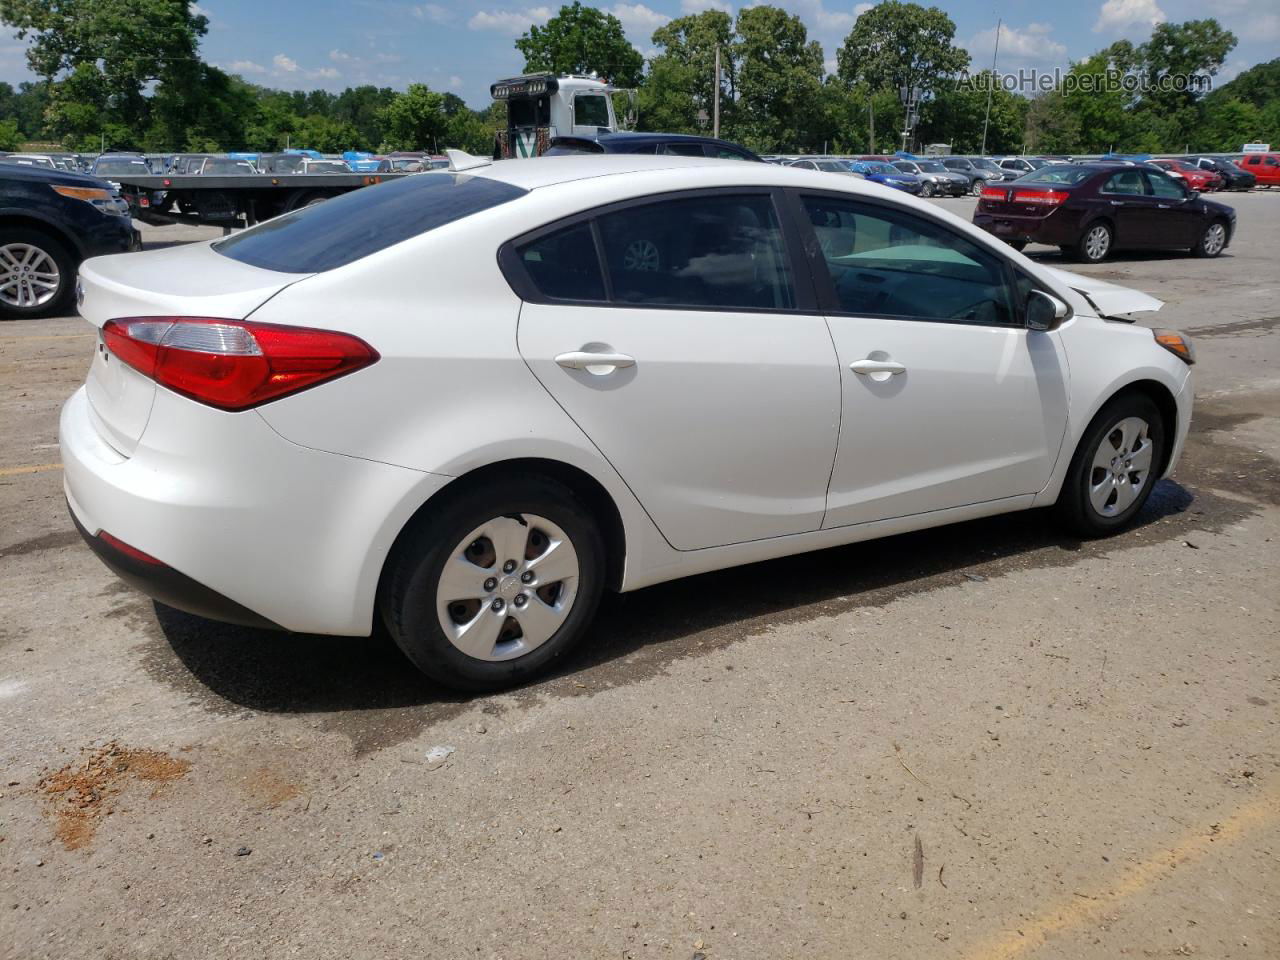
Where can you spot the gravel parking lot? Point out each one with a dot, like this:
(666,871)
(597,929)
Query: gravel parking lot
(987,741)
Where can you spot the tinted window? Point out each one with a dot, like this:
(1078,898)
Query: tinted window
(364,221)
(1165,187)
(590,111)
(722,153)
(1059,174)
(1129,182)
(563,265)
(129,167)
(722,252)
(888,264)
(684,149)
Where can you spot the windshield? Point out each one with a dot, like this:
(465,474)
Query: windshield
(357,224)
(590,111)
(885,168)
(326,166)
(137,168)
(1059,173)
(931,166)
(224,167)
(957,163)
(832,166)
(982,163)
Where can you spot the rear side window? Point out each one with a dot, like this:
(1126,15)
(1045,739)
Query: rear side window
(1129,182)
(684,149)
(362,222)
(563,264)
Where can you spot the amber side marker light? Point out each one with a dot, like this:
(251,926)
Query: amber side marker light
(1177,344)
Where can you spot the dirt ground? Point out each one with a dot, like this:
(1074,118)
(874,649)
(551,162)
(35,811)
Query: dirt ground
(987,741)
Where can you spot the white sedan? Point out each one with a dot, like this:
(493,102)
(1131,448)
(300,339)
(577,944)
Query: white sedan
(467,402)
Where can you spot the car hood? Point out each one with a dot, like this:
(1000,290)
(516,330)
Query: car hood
(1109,299)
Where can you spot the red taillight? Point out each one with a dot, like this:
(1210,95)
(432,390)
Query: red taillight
(129,551)
(230,364)
(993,193)
(1046,198)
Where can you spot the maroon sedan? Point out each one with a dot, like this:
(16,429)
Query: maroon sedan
(1090,209)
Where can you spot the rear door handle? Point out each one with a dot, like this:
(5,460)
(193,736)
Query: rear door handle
(877,366)
(1117,203)
(596,364)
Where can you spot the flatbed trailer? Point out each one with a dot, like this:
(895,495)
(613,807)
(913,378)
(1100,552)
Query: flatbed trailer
(238,201)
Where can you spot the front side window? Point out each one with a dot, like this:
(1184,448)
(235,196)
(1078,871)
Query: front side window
(563,264)
(885,263)
(590,111)
(721,252)
(684,149)
(723,154)
(1129,182)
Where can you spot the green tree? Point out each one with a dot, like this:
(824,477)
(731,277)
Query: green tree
(1194,49)
(11,137)
(129,44)
(358,106)
(957,111)
(897,44)
(326,135)
(413,120)
(1052,126)
(1099,101)
(779,75)
(581,40)
(1259,85)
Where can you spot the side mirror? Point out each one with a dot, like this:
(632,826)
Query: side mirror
(1044,311)
(1192,194)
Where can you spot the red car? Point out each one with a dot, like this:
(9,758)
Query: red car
(1264,166)
(1196,179)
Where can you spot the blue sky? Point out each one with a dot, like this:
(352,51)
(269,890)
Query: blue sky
(465,46)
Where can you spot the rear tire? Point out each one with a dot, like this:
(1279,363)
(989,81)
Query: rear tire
(1212,241)
(1094,245)
(37,274)
(1114,467)
(512,614)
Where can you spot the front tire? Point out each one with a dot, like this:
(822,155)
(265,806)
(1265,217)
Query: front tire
(1212,241)
(1114,467)
(37,274)
(975,188)
(487,590)
(926,189)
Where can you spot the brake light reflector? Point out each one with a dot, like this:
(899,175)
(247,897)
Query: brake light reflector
(1047,198)
(993,193)
(232,364)
(127,550)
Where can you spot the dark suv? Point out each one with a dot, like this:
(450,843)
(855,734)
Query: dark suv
(678,144)
(50,220)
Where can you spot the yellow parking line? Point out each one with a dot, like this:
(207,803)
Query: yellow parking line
(1033,934)
(35,468)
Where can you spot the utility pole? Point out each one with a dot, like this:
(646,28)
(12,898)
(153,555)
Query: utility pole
(715,122)
(991,83)
(871,115)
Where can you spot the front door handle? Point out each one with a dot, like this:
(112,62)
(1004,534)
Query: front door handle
(596,364)
(1117,203)
(877,366)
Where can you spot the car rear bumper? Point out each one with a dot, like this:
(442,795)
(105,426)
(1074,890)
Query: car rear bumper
(246,526)
(1054,229)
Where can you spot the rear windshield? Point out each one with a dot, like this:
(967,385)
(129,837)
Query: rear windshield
(135,167)
(356,224)
(1058,173)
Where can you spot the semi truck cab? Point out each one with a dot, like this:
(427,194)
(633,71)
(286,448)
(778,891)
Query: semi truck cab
(541,106)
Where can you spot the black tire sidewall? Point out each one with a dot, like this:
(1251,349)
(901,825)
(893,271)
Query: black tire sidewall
(58,251)
(1073,501)
(408,604)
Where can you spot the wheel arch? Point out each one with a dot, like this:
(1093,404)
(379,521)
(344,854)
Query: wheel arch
(28,221)
(603,508)
(1159,394)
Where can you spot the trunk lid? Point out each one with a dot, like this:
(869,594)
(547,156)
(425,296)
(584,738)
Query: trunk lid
(190,280)
(1109,299)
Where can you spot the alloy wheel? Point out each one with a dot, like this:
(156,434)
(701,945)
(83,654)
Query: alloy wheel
(1121,467)
(1097,242)
(507,587)
(1215,238)
(29,276)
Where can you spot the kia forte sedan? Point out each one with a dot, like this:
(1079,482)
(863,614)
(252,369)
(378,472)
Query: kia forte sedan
(468,403)
(1090,210)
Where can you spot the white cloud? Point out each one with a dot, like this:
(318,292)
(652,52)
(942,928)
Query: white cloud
(324,73)
(339,56)
(1030,43)
(285,64)
(697,6)
(862,8)
(513,22)
(243,67)
(433,12)
(831,66)
(456,82)
(639,18)
(1116,14)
